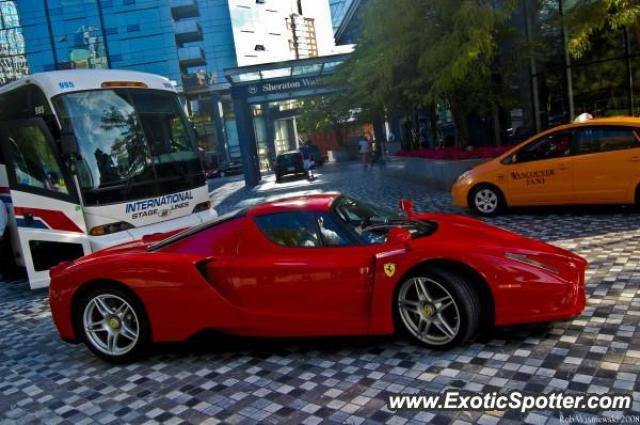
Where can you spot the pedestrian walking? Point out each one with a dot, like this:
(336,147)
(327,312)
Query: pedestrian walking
(365,150)
(307,159)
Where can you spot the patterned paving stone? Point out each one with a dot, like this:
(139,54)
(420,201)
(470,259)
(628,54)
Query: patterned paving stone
(340,380)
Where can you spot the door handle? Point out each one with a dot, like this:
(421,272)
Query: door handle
(28,217)
(563,167)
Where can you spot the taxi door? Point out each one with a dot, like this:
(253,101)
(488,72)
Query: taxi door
(541,172)
(46,210)
(607,164)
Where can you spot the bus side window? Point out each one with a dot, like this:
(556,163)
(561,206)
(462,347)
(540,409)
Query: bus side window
(34,161)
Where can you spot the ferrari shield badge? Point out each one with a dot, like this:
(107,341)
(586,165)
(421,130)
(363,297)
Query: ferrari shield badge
(389,269)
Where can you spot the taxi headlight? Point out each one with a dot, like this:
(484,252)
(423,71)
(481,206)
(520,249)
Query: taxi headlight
(463,176)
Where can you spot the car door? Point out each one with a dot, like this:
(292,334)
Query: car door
(45,208)
(607,164)
(307,276)
(541,172)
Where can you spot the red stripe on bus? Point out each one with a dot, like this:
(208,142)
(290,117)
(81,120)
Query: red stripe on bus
(57,220)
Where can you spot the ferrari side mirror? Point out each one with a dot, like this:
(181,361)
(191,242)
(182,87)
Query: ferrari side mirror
(406,205)
(398,235)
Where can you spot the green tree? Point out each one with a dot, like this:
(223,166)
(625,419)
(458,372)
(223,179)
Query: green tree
(427,52)
(324,114)
(587,19)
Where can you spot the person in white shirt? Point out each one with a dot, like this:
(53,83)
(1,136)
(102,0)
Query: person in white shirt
(365,150)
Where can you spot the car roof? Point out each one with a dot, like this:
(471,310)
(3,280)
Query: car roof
(618,120)
(317,202)
(621,120)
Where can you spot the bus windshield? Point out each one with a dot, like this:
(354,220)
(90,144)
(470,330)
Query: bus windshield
(134,143)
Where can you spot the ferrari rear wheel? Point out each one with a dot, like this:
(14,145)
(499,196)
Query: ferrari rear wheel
(113,324)
(439,309)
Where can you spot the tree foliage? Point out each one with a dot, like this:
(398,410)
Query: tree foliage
(423,52)
(324,113)
(587,18)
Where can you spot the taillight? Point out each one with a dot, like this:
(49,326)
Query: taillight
(107,229)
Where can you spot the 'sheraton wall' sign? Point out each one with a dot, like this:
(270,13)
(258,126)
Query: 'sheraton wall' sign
(265,88)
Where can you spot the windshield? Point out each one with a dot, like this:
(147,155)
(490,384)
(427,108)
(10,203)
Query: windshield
(133,143)
(373,223)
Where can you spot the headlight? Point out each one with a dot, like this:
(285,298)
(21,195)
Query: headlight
(204,206)
(463,176)
(522,258)
(107,229)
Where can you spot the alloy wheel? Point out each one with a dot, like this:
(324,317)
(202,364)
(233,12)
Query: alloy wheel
(111,324)
(429,311)
(486,201)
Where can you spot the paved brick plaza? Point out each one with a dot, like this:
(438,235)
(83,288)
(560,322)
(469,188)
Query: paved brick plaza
(343,380)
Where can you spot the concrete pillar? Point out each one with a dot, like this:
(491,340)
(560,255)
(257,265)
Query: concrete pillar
(247,137)
(221,134)
(271,131)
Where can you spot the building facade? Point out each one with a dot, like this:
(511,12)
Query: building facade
(191,42)
(13,60)
(551,88)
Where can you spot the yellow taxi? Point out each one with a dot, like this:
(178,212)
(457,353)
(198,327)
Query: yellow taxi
(590,161)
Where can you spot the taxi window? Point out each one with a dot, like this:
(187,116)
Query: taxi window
(552,146)
(603,139)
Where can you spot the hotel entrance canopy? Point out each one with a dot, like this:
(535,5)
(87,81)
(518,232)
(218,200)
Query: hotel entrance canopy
(271,82)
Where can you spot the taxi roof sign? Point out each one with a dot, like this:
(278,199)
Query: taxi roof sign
(584,117)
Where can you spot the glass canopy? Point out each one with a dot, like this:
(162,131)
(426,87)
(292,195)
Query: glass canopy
(312,67)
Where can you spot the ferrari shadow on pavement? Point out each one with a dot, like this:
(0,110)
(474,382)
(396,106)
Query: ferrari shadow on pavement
(211,342)
(214,343)
(569,222)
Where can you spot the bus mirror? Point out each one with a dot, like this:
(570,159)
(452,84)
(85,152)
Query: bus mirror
(69,146)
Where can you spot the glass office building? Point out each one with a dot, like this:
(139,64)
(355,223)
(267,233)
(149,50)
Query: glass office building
(13,60)
(552,87)
(191,42)
(126,34)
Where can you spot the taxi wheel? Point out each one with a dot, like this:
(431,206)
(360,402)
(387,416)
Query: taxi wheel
(113,324)
(486,200)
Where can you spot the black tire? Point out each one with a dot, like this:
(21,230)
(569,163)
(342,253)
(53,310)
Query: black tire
(486,200)
(467,309)
(86,306)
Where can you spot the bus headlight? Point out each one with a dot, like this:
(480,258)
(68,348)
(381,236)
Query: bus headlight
(107,229)
(203,206)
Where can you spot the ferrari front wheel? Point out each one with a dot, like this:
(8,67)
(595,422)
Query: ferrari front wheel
(439,309)
(113,324)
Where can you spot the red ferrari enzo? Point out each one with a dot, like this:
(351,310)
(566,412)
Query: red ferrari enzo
(315,265)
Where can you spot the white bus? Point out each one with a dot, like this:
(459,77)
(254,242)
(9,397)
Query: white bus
(94,158)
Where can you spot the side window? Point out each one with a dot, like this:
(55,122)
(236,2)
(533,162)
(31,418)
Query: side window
(331,232)
(602,139)
(552,146)
(293,229)
(35,164)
